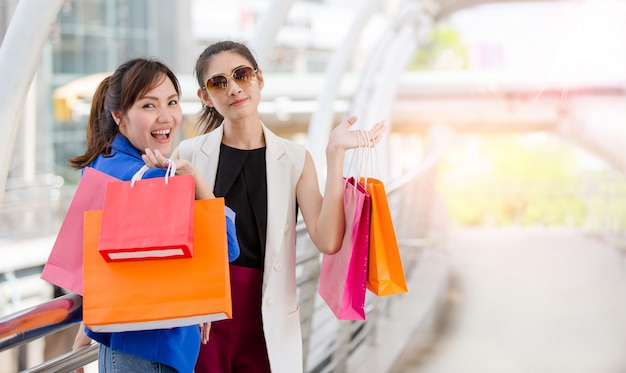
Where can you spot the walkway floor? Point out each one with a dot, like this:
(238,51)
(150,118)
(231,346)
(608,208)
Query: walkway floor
(539,301)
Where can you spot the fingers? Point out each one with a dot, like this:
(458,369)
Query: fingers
(155,159)
(378,129)
(377,132)
(373,136)
(346,138)
(205,329)
(351,120)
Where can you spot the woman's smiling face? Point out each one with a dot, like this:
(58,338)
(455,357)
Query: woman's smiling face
(238,99)
(152,120)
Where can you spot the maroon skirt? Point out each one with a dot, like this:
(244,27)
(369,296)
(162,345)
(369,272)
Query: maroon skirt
(238,344)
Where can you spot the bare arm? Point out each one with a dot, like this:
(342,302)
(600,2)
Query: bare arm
(324,216)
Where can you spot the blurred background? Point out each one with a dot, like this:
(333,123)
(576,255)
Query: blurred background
(503,161)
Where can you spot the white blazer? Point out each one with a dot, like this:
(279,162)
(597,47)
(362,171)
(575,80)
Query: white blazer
(280,309)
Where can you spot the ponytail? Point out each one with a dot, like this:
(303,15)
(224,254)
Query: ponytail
(101,129)
(208,120)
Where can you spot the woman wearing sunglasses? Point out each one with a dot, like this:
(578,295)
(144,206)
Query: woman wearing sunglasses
(265,179)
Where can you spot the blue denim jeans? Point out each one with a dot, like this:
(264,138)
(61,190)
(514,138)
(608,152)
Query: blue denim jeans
(112,361)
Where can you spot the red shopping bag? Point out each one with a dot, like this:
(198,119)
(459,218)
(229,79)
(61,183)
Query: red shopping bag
(385,275)
(343,275)
(148,219)
(154,294)
(64,266)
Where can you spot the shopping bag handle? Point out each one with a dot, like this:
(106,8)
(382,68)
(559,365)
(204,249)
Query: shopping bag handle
(372,155)
(361,161)
(354,151)
(171,171)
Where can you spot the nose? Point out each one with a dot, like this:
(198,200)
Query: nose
(166,114)
(232,86)
(163,117)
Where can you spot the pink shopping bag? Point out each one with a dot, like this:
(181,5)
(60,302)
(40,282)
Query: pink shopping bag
(64,266)
(148,219)
(343,276)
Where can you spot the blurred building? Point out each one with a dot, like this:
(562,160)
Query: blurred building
(89,37)
(92,37)
(95,36)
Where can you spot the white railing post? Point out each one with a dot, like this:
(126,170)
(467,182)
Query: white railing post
(20,55)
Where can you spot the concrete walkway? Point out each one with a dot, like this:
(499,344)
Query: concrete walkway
(520,301)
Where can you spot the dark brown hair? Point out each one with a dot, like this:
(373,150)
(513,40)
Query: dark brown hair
(209,118)
(118,93)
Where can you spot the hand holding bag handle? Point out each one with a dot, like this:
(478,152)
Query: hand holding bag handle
(170,171)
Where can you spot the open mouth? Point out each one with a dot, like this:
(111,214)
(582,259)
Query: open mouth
(161,134)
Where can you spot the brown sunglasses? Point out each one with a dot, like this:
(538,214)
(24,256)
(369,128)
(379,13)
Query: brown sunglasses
(219,83)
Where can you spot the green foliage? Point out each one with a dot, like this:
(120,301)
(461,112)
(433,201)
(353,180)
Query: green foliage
(528,180)
(444,50)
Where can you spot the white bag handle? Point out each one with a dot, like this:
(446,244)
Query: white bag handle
(171,171)
(372,155)
(359,161)
(354,151)
(364,158)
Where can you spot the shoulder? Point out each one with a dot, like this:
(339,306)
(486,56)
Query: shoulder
(188,147)
(123,167)
(295,151)
(193,142)
(293,148)
(119,165)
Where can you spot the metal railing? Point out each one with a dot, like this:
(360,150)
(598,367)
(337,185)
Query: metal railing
(31,205)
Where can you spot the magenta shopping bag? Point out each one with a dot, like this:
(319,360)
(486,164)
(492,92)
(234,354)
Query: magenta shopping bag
(343,276)
(64,267)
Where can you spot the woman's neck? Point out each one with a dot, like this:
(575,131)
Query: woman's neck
(243,135)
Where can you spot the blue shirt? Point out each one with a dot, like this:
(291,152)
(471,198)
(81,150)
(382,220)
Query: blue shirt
(175,347)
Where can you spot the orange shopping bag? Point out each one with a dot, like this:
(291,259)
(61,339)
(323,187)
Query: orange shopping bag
(385,275)
(154,294)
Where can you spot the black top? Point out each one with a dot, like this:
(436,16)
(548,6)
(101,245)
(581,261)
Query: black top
(242,180)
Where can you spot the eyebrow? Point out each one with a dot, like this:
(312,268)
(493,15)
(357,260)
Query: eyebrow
(175,95)
(222,74)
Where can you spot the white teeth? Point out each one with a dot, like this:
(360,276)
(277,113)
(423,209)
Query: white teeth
(161,132)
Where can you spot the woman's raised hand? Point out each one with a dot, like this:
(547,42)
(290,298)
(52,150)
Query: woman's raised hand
(345,138)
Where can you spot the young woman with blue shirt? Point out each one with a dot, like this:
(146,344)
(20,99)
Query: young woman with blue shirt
(135,110)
